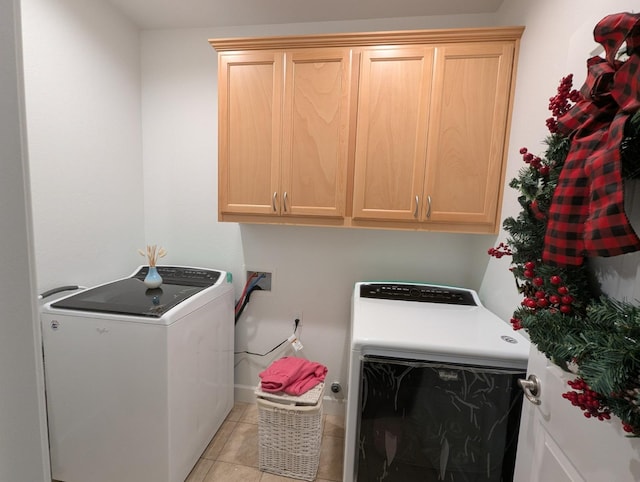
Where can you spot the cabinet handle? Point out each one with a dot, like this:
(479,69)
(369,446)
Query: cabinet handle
(284,201)
(428,207)
(415,211)
(273,201)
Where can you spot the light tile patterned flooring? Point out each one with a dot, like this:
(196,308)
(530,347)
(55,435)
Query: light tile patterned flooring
(232,455)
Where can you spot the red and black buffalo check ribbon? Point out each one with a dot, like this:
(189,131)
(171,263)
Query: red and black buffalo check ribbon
(586,216)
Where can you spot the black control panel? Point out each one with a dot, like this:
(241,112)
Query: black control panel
(415,292)
(183,276)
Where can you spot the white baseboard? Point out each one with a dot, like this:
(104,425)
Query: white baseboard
(331,405)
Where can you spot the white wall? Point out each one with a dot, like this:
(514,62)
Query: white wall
(557,41)
(82,81)
(23,451)
(314,268)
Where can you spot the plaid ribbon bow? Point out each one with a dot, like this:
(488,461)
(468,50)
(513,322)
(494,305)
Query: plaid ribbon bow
(586,216)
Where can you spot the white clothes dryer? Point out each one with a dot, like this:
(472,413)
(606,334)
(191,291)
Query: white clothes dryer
(433,392)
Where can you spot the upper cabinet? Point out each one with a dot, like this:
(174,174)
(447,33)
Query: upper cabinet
(401,130)
(431,136)
(468,125)
(391,141)
(283,132)
(249,141)
(315,132)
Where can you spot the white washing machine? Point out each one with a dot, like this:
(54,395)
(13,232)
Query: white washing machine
(433,391)
(138,380)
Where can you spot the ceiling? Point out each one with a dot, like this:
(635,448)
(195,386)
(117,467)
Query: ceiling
(159,14)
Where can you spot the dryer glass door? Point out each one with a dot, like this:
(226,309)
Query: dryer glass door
(423,421)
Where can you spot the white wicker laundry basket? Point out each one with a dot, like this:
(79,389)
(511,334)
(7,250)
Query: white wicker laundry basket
(290,433)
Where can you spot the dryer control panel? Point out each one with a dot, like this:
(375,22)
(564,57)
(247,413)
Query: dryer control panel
(417,292)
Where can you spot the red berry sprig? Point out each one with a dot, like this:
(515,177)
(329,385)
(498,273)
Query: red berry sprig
(559,104)
(535,162)
(516,323)
(529,269)
(501,250)
(587,400)
(630,428)
(556,298)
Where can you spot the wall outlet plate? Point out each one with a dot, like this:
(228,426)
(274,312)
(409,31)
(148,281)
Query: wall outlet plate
(264,278)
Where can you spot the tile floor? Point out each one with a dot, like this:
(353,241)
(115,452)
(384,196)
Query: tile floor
(232,455)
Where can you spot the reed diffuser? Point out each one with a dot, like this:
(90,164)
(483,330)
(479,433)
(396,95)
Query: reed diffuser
(153,254)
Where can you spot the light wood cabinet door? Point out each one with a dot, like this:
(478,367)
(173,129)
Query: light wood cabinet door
(250,89)
(467,128)
(315,132)
(395,86)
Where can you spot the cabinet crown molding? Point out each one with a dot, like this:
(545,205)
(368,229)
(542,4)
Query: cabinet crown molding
(364,39)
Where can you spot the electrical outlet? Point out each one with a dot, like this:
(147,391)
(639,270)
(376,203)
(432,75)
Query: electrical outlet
(264,279)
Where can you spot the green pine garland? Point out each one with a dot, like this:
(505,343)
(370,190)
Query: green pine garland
(563,310)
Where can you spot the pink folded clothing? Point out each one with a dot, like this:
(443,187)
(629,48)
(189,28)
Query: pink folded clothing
(293,376)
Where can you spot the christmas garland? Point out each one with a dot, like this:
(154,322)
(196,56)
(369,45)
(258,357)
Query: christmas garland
(563,311)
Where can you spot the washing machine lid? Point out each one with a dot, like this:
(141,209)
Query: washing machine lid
(130,296)
(431,320)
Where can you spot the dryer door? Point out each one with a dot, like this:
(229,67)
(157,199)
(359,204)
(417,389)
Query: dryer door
(421,420)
